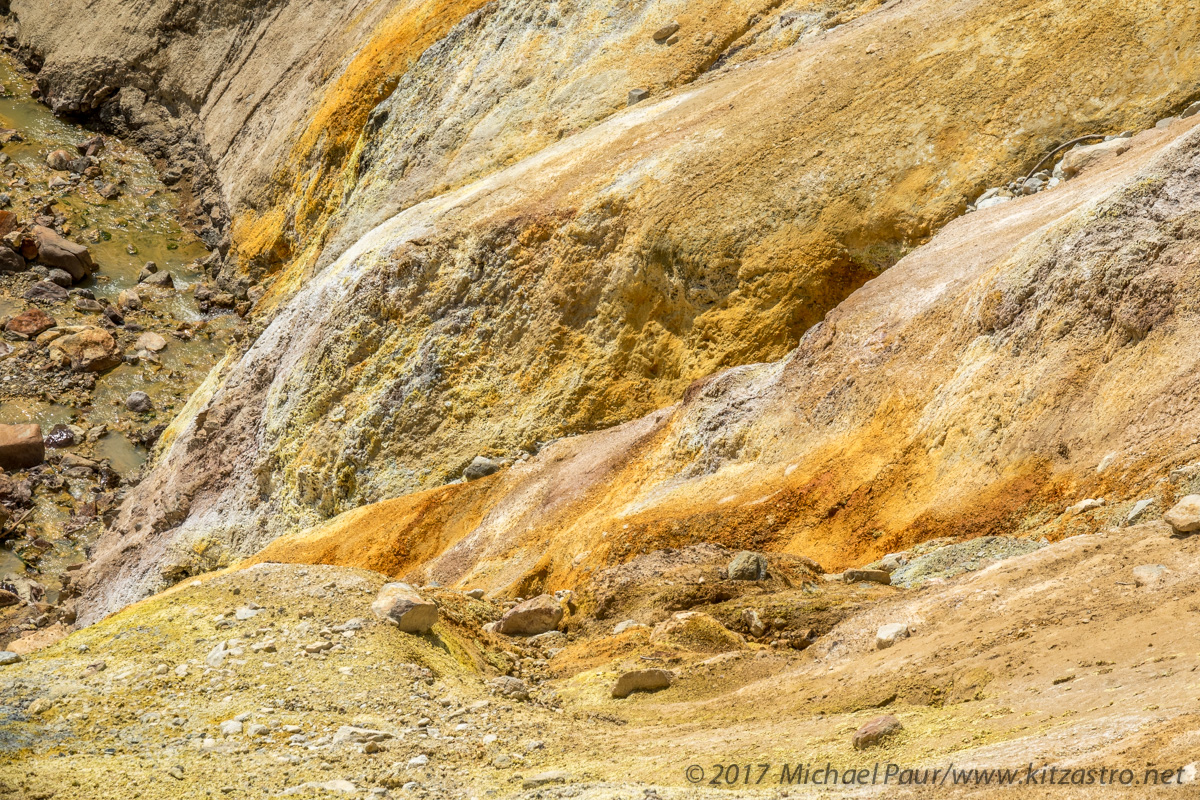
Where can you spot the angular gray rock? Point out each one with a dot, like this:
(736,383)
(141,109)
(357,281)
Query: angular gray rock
(1138,510)
(748,566)
(11,260)
(163,280)
(61,277)
(46,292)
(9,657)
(401,604)
(480,467)
(507,686)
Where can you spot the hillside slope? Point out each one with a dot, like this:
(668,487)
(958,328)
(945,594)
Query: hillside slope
(1031,356)
(593,280)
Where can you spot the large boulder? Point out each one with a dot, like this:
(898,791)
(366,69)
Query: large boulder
(90,350)
(30,323)
(642,680)
(56,251)
(21,446)
(401,604)
(1184,516)
(535,615)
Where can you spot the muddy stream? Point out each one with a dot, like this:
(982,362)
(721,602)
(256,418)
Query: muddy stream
(96,446)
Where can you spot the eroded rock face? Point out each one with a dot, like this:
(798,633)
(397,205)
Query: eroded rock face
(503,283)
(843,436)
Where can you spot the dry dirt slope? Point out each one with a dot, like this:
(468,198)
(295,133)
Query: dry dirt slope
(1061,657)
(595,279)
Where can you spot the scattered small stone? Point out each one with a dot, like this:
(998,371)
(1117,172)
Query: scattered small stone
(753,623)
(151,341)
(666,31)
(162,280)
(9,657)
(1085,505)
(61,277)
(46,292)
(30,323)
(476,594)
(21,446)
(55,251)
(636,96)
(129,300)
(59,160)
(507,686)
(230,727)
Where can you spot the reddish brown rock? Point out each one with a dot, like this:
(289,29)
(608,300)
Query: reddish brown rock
(876,731)
(8,222)
(21,446)
(30,323)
